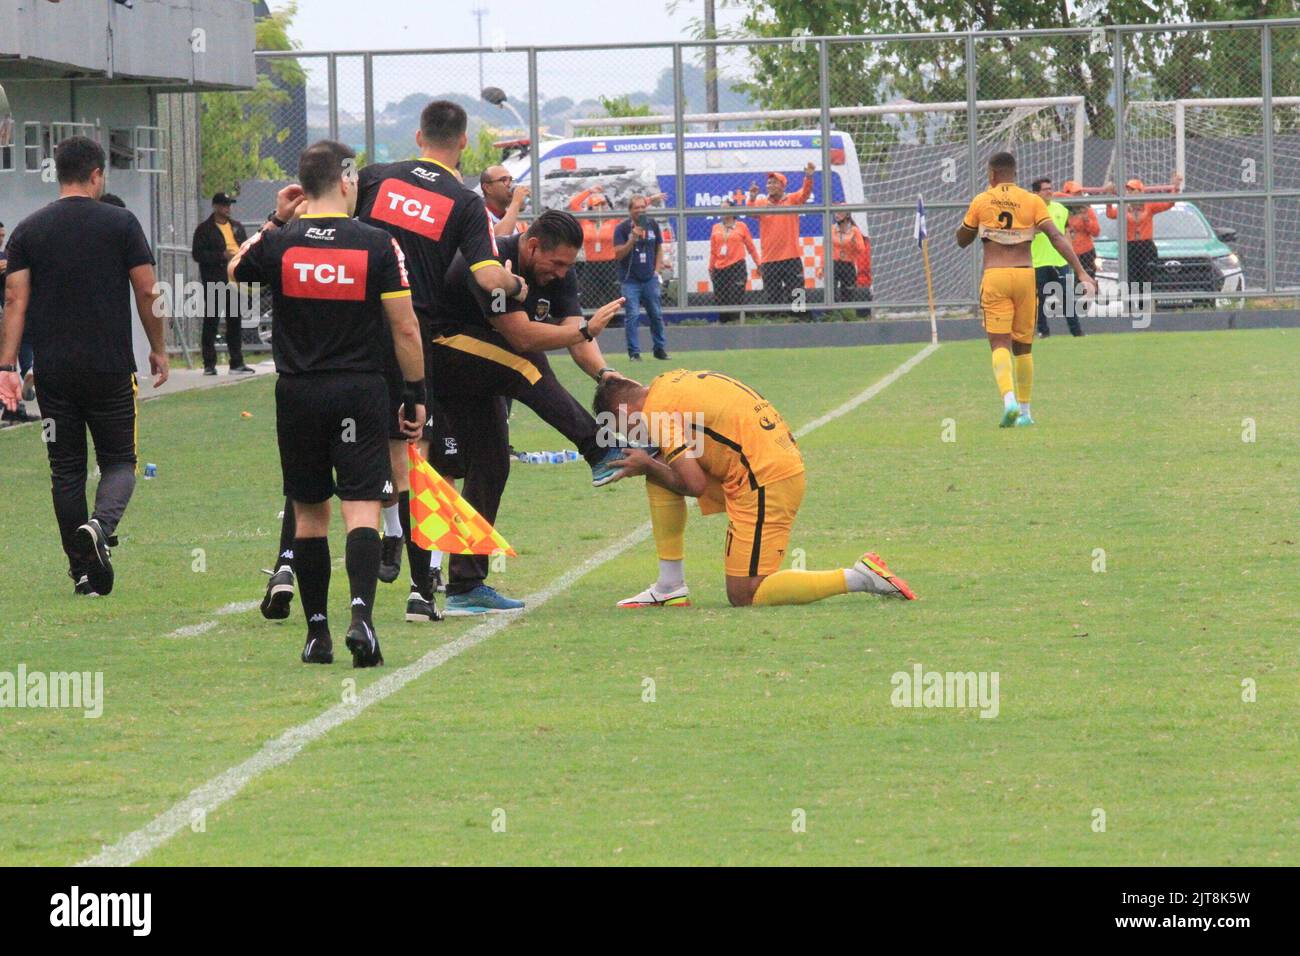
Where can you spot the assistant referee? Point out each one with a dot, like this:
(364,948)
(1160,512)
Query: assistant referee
(335,283)
(73,267)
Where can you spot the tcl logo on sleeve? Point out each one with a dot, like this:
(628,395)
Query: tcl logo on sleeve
(308,273)
(410,207)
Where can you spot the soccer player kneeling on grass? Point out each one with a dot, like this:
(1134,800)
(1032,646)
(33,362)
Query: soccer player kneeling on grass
(720,441)
(335,281)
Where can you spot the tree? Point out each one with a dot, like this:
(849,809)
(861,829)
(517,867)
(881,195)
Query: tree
(235,126)
(620,106)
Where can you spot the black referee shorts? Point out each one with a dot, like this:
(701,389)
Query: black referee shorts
(444,450)
(333,436)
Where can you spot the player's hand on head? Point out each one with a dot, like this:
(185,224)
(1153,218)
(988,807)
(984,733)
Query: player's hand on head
(289,201)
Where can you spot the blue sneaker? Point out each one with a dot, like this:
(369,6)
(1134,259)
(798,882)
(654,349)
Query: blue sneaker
(603,472)
(481,600)
(1025,420)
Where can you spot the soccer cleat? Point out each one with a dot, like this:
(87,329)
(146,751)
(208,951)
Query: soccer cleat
(82,586)
(677,597)
(603,472)
(363,644)
(481,600)
(1025,420)
(883,581)
(1009,415)
(390,557)
(318,650)
(279,593)
(420,608)
(92,541)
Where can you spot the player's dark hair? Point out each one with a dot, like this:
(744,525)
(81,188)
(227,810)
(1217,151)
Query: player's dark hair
(321,166)
(1002,162)
(76,158)
(1037,184)
(442,122)
(555,227)
(611,393)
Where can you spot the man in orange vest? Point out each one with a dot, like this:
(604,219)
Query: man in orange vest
(1141,245)
(778,236)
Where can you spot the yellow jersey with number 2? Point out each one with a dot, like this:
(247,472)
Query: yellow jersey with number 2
(1006,214)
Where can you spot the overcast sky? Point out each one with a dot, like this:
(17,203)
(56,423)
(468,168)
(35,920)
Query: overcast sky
(387,24)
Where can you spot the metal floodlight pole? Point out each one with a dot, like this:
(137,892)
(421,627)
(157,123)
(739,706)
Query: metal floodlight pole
(332,67)
(534,135)
(368,63)
(1120,174)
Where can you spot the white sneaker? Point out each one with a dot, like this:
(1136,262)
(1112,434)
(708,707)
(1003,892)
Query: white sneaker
(677,597)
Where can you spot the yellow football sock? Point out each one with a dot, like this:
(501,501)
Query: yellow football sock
(668,521)
(1002,370)
(1024,377)
(800,587)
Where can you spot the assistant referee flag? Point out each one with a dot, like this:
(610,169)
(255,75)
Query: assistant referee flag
(441,520)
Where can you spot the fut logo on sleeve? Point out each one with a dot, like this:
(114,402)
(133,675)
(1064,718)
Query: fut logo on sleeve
(307,273)
(409,207)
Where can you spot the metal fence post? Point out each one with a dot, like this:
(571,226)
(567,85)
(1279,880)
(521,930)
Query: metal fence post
(534,135)
(1266,69)
(828,240)
(972,148)
(332,67)
(368,68)
(680,164)
(1120,177)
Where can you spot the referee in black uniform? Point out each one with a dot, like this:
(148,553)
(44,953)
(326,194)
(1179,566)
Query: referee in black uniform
(488,347)
(423,204)
(73,269)
(336,283)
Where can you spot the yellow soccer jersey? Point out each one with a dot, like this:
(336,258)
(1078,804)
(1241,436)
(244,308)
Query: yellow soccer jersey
(1006,214)
(739,437)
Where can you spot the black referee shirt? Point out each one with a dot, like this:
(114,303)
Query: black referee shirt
(80,253)
(467,304)
(433,216)
(328,276)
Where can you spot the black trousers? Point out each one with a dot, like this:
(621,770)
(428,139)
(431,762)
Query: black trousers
(472,373)
(103,403)
(729,285)
(221,303)
(1051,282)
(780,278)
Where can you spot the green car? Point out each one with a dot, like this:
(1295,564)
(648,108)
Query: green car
(1192,257)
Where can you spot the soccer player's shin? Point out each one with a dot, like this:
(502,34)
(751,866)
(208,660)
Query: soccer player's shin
(311,558)
(1002,372)
(1024,378)
(362,561)
(288,531)
(800,587)
(668,521)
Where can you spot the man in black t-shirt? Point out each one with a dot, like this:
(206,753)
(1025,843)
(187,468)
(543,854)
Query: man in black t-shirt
(425,207)
(487,347)
(336,284)
(73,268)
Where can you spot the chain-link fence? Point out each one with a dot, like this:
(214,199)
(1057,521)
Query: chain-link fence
(843,134)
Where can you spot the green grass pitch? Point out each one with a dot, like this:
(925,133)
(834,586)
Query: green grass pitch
(1120,691)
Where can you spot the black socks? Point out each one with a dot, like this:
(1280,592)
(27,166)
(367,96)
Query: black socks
(362,560)
(311,565)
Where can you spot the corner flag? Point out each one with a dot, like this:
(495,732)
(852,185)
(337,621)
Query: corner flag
(923,243)
(918,229)
(441,520)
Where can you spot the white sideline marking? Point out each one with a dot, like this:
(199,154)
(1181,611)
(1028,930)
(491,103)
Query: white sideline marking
(225,786)
(194,630)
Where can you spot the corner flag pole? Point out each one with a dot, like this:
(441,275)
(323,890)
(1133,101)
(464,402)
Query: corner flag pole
(923,241)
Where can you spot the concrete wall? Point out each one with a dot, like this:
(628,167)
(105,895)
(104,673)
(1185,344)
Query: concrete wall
(150,41)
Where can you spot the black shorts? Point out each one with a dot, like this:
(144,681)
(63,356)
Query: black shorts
(332,435)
